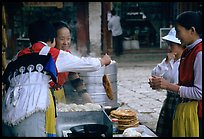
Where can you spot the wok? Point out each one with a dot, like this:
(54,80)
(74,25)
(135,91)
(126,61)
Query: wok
(88,130)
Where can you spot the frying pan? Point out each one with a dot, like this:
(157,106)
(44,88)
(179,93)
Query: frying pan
(88,130)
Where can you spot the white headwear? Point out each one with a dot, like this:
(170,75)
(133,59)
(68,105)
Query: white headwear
(172,37)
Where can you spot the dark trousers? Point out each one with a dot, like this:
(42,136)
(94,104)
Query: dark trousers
(118,45)
(200,127)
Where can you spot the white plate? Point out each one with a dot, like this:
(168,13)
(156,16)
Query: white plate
(133,132)
(143,130)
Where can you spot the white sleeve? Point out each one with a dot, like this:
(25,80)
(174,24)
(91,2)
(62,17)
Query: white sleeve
(160,69)
(110,25)
(66,62)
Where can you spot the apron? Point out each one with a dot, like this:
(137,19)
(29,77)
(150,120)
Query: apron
(50,119)
(60,96)
(186,120)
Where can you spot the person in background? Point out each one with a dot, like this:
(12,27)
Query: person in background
(187,120)
(63,42)
(28,100)
(168,69)
(114,26)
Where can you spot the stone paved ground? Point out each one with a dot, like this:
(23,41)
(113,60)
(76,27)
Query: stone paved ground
(133,88)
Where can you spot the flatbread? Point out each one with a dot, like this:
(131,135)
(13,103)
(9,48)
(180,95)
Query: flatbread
(123,113)
(108,87)
(123,127)
(127,121)
(126,118)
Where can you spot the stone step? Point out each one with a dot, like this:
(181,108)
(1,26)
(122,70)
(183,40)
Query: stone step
(145,50)
(139,57)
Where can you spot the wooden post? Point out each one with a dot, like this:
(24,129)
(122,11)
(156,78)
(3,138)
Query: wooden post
(106,35)
(82,28)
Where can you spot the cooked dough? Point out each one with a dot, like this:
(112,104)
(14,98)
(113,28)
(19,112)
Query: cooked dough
(123,113)
(108,87)
(126,118)
(62,107)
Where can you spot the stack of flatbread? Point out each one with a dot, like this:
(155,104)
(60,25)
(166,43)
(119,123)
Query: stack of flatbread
(126,118)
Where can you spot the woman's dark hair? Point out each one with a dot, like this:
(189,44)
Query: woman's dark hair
(60,24)
(41,30)
(190,19)
(113,12)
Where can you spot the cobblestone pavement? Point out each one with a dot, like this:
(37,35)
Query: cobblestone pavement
(133,88)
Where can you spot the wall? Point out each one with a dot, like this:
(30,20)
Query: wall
(95,28)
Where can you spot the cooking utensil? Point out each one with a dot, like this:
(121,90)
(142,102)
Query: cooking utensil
(88,130)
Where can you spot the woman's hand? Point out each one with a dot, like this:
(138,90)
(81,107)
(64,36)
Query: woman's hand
(170,56)
(105,60)
(157,82)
